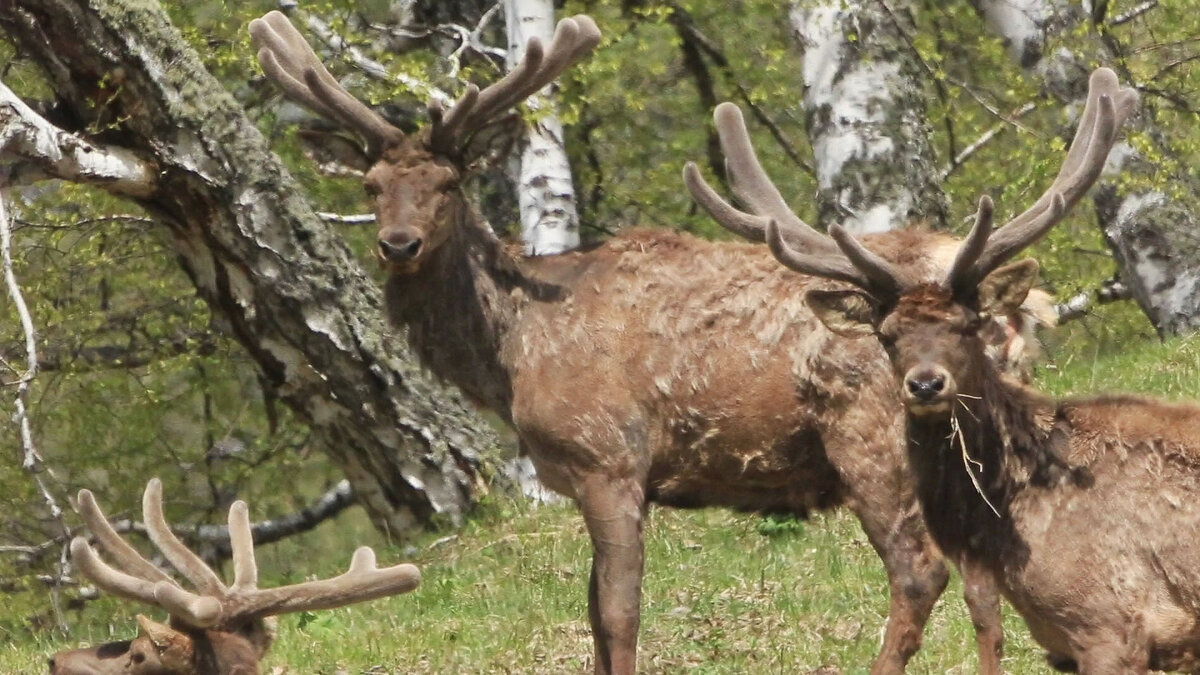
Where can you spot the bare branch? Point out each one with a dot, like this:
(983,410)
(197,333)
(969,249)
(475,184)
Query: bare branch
(1133,13)
(695,39)
(356,219)
(331,503)
(31,461)
(370,67)
(983,140)
(33,149)
(1080,304)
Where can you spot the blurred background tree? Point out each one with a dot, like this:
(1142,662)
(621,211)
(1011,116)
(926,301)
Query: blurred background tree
(915,107)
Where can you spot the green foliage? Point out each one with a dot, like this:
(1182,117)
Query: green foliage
(776,525)
(726,593)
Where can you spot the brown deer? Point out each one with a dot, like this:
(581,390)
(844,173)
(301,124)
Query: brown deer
(1081,512)
(218,630)
(646,369)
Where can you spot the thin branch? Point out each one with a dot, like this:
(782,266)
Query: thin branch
(329,504)
(370,67)
(987,136)
(1133,13)
(933,74)
(468,38)
(33,149)
(1080,304)
(198,343)
(32,461)
(356,219)
(688,31)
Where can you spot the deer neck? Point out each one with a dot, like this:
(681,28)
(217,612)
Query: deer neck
(970,467)
(459,311)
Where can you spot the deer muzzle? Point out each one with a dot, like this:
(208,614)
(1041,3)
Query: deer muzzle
(928,389)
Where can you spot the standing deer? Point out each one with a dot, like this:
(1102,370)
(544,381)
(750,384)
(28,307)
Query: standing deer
(646,369)
(1081,512)
(219,630)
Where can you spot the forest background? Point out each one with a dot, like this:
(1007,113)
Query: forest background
(142,371)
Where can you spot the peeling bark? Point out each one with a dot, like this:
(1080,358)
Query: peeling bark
(863,104)
(278,278)
(545,190)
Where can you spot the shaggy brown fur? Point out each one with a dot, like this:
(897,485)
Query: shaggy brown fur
(1081,512)
(648,369)
(169,650)
(645,370)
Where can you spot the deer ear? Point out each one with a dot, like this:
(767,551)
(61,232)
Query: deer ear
(174,647)
(848,313)
(1003,291)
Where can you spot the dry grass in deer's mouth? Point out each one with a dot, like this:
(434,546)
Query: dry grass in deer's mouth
(957,434)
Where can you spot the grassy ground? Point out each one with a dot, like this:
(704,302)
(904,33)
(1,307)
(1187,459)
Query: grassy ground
(507,595)
(725,593)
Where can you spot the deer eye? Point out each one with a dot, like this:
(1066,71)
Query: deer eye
(137,657)
(372,189)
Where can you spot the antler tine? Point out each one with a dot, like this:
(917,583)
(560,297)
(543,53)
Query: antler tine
(574,37)
(836,266)
(290,62)
(975,242)
(147,583)
(753,187)
(195,610)
(739,222)
(181,557)
(884,281)
(125,555)
(241,542)
(362,581)
(1107,107)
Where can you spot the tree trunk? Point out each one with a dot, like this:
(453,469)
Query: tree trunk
(1153,235)
(276,277)
(863,103)
(545,191)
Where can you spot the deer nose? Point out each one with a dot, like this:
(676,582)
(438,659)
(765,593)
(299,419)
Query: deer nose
(927,384)
(51,663)
(399,247)
(926,389)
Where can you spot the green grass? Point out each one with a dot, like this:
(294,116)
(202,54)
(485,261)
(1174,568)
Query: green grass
(507,594)
(724,593)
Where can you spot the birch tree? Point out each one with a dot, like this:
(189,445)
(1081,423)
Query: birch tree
(863,104)
(1152,232)
(545,191)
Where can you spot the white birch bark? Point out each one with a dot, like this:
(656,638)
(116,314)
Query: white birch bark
(863,104)
(1153,234)
(545,191)
(1022,24)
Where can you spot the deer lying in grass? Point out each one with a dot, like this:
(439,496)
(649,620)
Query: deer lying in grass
(646,369)
(219,630)
(1082,512)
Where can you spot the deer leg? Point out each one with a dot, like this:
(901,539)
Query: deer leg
(983,602)
(614,510)
(872,466)
(916,578)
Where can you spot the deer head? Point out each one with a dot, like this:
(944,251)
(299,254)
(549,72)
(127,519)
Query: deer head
(414,179)
(931,330)
(219,629)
